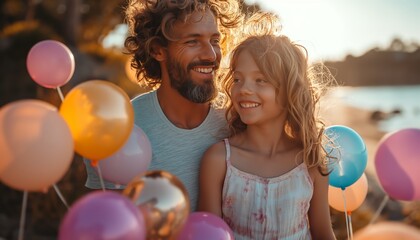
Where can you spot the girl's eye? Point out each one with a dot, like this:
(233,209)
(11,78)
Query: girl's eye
(259,80)
(235,80)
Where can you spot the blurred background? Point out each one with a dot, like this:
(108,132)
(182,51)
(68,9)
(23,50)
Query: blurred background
(371,47)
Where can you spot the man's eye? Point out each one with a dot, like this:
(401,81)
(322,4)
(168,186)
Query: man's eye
(215,41)
(191,42)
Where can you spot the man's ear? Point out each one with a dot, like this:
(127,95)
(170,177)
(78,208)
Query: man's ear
(158,52)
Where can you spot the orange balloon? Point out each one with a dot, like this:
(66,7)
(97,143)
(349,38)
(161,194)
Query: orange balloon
(163,200)
(355,194)
(36,145)
(100,117)
(388,231)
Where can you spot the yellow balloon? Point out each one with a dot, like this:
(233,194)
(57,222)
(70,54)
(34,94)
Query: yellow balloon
(36,146)
(100,117)
(163,200)
(355,195)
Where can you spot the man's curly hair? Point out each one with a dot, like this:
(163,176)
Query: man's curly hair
(150,22)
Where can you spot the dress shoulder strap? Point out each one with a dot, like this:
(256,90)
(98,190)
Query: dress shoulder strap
(227,145)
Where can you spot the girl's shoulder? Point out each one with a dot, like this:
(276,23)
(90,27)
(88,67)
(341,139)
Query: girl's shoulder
(316,175)
(215,154)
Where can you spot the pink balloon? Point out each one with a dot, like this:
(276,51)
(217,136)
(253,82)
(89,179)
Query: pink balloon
(397,163)
(36,145)
(103,215)
(50,63)
(205,226)
(131,160)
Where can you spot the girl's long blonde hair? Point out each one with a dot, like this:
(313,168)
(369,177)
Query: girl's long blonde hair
(285,64)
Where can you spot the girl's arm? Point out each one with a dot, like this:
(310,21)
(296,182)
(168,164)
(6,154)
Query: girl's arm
(212,174)
(319,210)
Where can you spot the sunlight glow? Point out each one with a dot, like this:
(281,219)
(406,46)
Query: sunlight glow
(332,29)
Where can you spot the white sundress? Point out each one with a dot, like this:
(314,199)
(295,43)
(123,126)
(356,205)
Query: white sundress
(260,208)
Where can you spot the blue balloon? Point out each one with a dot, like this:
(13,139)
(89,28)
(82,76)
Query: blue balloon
(348,148)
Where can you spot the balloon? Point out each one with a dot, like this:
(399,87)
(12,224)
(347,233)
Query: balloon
(355,194)
(100,117)
(350,150)
(35,144)
(205,226)
(50,63)
(397,163)
(388,231)
(131,160)
(103,215)
(163,200)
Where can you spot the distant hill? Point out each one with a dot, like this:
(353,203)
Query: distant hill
(393,66)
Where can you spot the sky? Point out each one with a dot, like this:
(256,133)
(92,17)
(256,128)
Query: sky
(332,29)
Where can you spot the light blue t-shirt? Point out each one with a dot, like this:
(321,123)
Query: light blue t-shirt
(176,150)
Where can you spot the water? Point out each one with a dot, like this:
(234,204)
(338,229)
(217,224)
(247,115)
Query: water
(386,99)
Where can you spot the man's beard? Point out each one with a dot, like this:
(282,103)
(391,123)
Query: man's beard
(182,82)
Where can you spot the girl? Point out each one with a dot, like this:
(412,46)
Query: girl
(269,179)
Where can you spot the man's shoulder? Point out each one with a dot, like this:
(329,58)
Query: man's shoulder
(218,112)
(143,97)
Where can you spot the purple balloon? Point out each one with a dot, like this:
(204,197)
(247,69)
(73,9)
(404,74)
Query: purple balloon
(397,162)
(103,215)
(205,226)
(50,63)
(131,160)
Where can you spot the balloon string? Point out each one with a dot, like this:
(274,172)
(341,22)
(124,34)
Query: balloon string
(350,226)
(100,177)
(60,94)
(60,195)
(345,214)
(23,215)
(381,207)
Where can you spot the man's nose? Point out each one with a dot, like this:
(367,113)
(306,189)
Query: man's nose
(208,53)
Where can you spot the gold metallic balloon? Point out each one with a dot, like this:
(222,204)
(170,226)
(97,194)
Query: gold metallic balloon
(100,117)
(163,200)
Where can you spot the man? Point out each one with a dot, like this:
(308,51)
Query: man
(176,47)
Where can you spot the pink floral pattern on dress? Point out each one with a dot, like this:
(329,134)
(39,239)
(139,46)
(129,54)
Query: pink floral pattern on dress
(229,201)
(260,216)
(267,208)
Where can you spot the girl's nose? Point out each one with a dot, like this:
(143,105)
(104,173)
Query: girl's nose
(246,87)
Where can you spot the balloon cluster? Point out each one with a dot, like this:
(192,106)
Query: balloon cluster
(96,120)
(396,162)
(348,183)
(37,141)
